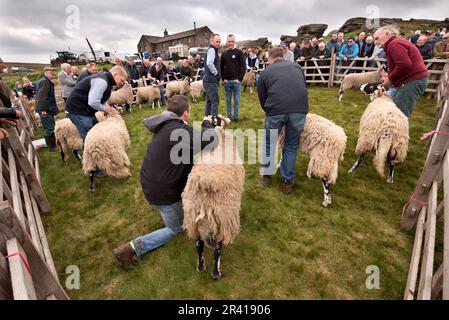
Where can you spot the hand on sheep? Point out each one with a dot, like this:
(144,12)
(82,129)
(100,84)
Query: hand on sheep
(387,83)
(108,109)
(44,114)
(3,134)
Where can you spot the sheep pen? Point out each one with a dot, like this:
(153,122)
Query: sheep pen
(212,197)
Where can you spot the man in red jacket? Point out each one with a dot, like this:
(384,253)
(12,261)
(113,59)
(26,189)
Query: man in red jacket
(406,69)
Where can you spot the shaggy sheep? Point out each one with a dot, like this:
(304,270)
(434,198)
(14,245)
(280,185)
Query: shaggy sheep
(355,80)
(151,93)
(196,90)
(249,80)
(211,199)
(122,96)
(383,130)
(325,143)
(177,87)
(68,139)
(104,147)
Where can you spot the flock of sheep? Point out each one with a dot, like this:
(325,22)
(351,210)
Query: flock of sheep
(212,201)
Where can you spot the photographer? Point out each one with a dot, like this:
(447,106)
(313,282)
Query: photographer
(162,179)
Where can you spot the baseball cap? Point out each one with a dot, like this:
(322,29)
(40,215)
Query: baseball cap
(284,44)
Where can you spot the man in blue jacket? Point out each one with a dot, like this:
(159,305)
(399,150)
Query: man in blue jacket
(284,98)
(348,52)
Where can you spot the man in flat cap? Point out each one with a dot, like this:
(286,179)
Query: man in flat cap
(46,106)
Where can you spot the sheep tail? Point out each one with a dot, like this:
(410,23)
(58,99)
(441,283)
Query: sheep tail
(382,153)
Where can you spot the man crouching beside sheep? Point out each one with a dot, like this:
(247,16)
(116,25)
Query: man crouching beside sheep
(163,178)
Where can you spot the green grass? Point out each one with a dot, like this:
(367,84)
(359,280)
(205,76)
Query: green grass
(289,246)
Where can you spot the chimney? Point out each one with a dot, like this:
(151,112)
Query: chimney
(194,26)
(165,33)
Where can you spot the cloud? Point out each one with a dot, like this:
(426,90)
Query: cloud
(42,27)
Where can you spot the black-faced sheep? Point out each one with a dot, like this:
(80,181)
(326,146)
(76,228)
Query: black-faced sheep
(68,139)
(383,130)
(211,199)
(249,80)
(355,80)
(325,143)
(104,147)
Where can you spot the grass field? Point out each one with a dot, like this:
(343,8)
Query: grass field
(289,246)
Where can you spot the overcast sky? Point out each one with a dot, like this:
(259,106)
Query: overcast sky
(31,31)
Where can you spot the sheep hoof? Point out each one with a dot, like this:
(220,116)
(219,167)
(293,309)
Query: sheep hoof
(216,276)
(91,189)
(201,266)
(350,171)
(326,204)
(390,180)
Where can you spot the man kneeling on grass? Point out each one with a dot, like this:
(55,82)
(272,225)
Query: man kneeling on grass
(163,178)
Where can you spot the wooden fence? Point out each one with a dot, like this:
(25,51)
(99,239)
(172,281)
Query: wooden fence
(27,270)
(424,211)
(329,71)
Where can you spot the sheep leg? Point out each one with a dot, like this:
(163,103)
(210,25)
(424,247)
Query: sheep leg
(340,95)
(77,155)
(62,155)
(327,192)
(216,273)
(357,164)
(251,89)
(390,178)
(200,253)
(91,178)
(152,105)
(159,103)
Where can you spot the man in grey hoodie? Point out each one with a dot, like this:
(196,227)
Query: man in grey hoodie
(164,173)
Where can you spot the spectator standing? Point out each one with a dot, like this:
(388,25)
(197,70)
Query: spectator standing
(66,81)
(91,69)
(252,61)
(348,52)
(333,43)
(46,106)
(424,47)
(233,68)
(29,90)
(415,37)
(211,77)
(288,55)
(296,51)
(307,52)
(185,69)
(441,50)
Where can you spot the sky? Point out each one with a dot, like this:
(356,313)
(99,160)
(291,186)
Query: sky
(32,31)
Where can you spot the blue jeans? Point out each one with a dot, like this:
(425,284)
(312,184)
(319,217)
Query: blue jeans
(82,123)
(294,125)
(173,216)
(162,95)
(232,86)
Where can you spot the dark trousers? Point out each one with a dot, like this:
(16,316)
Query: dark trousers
(211,107)
(48,123)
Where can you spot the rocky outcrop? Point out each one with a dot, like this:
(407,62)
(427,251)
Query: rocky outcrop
(307,31)
(359,24)
(260,43)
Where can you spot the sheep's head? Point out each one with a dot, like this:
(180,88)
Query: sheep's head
(374,90)
(186,83)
